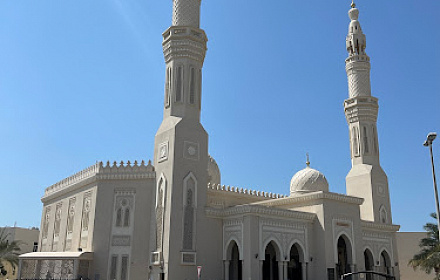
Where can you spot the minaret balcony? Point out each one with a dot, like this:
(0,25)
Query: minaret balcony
(363,108)
(184,42)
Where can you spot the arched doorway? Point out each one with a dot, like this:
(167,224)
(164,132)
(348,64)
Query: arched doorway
(294,267)
(385,263)
(344,256)
(270,263)
(369,263)
(234,268)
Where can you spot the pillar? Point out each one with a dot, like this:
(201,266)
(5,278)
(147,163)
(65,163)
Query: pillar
(280,270)
(285,269)
(261,270)
(226,263)
(304,271)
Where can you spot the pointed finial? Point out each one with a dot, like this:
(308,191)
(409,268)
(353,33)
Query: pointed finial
(353,5)
(308,161)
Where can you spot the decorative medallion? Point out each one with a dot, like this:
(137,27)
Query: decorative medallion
(191,150)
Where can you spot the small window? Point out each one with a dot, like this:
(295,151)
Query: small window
(113,265)
(127,217)
(366,150)
(35,247)
(124,267)
(119,217)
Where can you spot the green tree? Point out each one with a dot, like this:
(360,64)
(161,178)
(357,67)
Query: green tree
(428,259)
(9,251)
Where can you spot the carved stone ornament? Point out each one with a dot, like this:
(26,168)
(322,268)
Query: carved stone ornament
(163,151)
(191,150)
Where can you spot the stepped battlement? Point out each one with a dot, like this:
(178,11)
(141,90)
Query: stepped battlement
(121,170)
(244,191)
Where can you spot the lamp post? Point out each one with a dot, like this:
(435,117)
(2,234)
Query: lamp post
(428,143)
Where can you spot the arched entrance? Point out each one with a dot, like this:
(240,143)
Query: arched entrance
(296,260)
(233,264)
(385,263)
(369,263)
(344,256)
(270,263)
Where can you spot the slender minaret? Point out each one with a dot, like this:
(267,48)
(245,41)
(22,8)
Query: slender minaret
(181,153)
(366,178)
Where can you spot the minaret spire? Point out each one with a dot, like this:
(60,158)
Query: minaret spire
(366,178)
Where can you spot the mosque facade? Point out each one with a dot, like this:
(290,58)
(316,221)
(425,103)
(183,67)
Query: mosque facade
(172,219)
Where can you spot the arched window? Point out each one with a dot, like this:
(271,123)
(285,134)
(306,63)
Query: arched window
(127,217)
(375,146)
(123,212)
(199,88)
(383,215)
(167,87)
(355,139)
(179,84)
(192,86)
(159,212)
(189,205)
(119,217)
(365,141)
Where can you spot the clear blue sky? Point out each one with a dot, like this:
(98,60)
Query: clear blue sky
(83,80)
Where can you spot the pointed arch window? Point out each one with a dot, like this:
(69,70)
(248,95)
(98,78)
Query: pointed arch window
(366,149)
(167,87)
(199,88)
(374,134)
(189,206)
(160,205)
(355,141)
(123,206)
(179,84)
(192,86)
(383,215)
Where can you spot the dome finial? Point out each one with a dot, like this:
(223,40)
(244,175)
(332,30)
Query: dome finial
(353,5)
(308,161)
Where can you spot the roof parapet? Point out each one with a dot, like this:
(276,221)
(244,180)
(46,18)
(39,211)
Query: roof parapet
(244,191)
(109,171)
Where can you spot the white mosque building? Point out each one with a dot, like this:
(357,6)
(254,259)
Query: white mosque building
(172,219)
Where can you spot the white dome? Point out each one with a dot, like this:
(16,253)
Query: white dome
(308,180)
(214,176)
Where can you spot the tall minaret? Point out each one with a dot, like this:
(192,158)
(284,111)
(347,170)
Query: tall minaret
(366,178)
(181,153)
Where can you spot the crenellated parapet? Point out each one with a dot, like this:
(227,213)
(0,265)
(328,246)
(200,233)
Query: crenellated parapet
(229,189)
(99,171)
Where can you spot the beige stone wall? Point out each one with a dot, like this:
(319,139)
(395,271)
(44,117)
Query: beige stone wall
(407,246)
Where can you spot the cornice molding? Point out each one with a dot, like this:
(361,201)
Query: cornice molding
(258,210)
(366,225)
(312,198)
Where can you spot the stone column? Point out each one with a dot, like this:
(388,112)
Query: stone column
(285,269)
(75,268)
(226,263)
(280,270)
(304,271)
(261,270)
